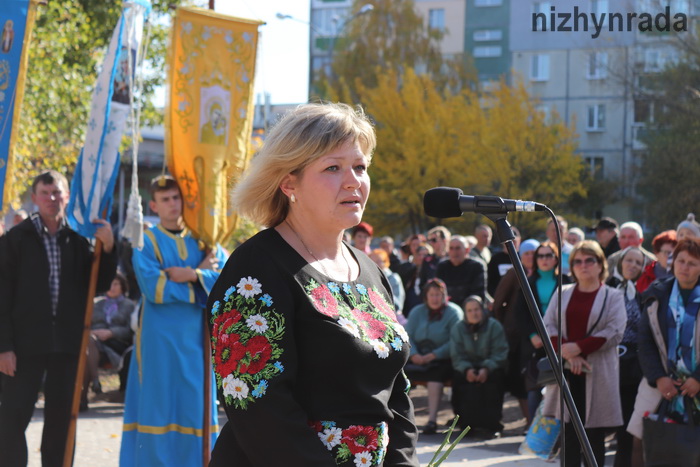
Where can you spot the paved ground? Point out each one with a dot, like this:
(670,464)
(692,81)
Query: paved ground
(99,436)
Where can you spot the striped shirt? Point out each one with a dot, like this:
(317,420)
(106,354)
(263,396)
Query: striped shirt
(53,253)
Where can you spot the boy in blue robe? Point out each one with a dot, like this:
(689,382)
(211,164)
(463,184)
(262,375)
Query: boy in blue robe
(164,406)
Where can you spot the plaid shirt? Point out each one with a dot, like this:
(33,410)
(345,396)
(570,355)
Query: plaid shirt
(53,253)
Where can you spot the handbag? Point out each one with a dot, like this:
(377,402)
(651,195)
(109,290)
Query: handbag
(671,444)
(546,376)
(542,437)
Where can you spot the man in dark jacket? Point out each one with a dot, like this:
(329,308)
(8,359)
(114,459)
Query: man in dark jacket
(44,276)
(462,275)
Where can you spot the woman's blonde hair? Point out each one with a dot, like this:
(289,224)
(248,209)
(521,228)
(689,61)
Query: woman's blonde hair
(301,136)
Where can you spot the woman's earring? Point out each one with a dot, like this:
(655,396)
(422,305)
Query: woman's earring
(293,198)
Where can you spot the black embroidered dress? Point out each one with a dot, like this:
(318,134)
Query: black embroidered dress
(310,369)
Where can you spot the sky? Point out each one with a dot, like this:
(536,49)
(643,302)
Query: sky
(282,68)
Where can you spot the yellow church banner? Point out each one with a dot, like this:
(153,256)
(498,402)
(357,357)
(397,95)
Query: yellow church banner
(209,116)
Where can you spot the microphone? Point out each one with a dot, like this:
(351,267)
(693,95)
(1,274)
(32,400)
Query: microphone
(443,202)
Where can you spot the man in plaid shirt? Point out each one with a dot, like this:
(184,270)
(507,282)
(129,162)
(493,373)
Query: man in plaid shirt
(44,276)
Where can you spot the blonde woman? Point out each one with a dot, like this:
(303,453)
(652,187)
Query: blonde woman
(307,350)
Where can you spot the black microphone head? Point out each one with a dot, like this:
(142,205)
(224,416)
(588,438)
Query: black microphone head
(442,202)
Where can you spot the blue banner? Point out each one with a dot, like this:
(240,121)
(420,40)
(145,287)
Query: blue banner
(16,19)
(92,186)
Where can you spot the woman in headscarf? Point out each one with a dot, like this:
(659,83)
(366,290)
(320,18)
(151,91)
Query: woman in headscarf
(479,352)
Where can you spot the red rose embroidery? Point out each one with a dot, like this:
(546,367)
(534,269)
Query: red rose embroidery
(226,366)
(360,438)
(256,354)
(225,321)
(380,304)
(372,327)
(324,301)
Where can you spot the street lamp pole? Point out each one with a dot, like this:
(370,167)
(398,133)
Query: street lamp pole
(313,30)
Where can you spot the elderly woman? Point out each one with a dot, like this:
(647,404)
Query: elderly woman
(662,245)
(428,329)
(668,350)
(629,268)
(543,282)
(308,355)
(110,334)
(593,322)
(479,352)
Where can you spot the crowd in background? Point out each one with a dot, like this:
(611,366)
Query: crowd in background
(470,326)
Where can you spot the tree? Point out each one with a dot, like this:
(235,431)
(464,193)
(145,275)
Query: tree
(69,41)
(495,143)
(392,36)
(669,170)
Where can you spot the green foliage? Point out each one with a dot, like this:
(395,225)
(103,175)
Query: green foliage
(494,143)
(69,41)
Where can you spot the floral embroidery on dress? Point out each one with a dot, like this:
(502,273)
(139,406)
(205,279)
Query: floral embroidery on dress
(245,339)
(366,315)
(364,445)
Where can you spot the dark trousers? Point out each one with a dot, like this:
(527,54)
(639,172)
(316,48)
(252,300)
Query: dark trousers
(630,376)
(596,436)
(19,394)
(479,405)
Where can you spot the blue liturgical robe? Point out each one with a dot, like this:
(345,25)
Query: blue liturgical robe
(163,415)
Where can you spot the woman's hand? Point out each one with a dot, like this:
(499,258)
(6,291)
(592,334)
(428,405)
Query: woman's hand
(102,334)
(570,350)
(418,359)
(471,375)
(427,358)
(536,341)
(690,387)
(482,376)
(577,364)
(667,387)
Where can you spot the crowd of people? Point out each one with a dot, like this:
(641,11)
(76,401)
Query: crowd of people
(316,334)
(621,358)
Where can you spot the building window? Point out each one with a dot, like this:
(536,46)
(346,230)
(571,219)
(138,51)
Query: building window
(596,117)
(597,65)
(596,167)
(488,51)
(488,35)
(539,67)
(436,18)
(488,2)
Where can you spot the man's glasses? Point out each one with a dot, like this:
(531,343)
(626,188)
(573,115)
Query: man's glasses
(433,240)
(546,256)
(590,261)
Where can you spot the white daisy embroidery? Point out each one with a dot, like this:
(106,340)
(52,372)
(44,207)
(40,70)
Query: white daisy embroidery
(249,287)
(400,331)
(380,348)
(363,459)
(234,387)
(349,326)
(257,323)
(331,437)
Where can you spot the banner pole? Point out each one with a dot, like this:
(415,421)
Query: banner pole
(82,356)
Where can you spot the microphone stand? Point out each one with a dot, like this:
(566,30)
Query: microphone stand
(505,233)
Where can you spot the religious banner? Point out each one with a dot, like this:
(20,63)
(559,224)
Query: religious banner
(92,186)
(16,21)
(209,117)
